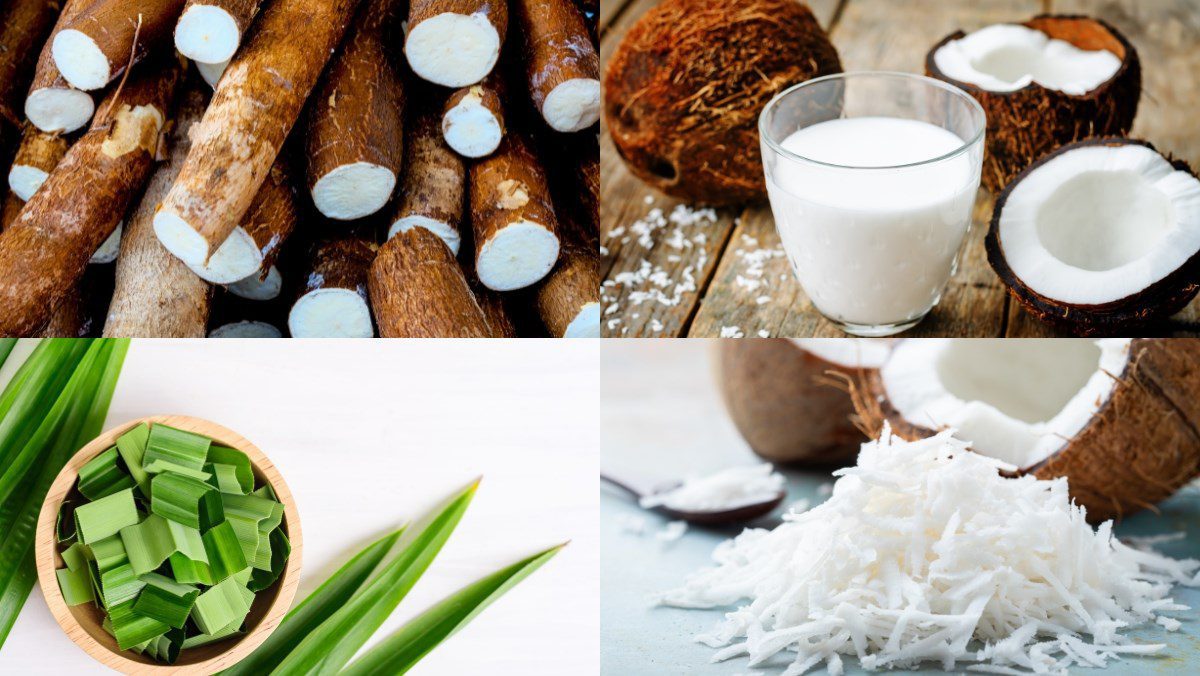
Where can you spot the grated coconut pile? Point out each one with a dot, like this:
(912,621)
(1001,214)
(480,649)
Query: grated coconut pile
(925,552)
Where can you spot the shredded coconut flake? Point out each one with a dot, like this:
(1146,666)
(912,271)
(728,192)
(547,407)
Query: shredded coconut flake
(727,489)
(732,332)
(672,531)
(924,552)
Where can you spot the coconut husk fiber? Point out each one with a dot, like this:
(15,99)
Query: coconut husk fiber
(1025,124)
(684,89)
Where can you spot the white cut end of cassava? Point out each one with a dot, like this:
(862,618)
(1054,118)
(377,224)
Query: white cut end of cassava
(353,190)
(54,109)
(211,72)
(80,61)
(1015,400)
(111,247)
(586,324)
(448,233)
(471,129)
(236,259)
(729,488)
(24,180)
(1007,57)
(516,256)
(453,50)
(573,105)
(246,329)
(330,313)
(180,239)
(207,34)
(255,287)
(856,353)
(1098,224)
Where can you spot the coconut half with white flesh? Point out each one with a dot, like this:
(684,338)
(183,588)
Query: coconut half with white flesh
(1049,81)
(1099,236)
(784,402)
(1119,417)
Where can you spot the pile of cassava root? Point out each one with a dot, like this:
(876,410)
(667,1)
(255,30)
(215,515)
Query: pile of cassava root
(313,168)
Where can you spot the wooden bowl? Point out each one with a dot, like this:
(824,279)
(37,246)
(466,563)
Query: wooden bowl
(82,622)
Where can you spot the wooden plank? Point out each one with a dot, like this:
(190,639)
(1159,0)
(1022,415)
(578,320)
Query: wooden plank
(653,283)
(1165,34)
(867,38)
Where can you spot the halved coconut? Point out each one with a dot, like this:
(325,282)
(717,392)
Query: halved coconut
(1051,80)
(1099,236)
(781,399)
(1120,418)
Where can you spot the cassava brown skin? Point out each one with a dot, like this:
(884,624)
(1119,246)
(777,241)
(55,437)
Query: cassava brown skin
(1155,303)
(557,46)
(357,113)
(45,252)
(45,73)
(418,291)
(506,187)
(492,303)
(273,215)
(253,108)
(489,93)
(591,16)
(573,283)
(342,263)
(782,402)
(156,295)
(115,24)
(40,150)
(1138,449)
(1025,124)
(24,27)
(9,211)
(434,176)
(684,89)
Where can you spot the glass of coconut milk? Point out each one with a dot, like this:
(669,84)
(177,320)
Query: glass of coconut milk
(872,179)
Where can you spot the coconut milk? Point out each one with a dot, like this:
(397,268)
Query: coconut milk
(873,242)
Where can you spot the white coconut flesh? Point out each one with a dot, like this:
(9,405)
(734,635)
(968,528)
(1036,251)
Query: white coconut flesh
(1097,224)
(211,72)
(24,180)
(207,34)
(518,255)
(453,50)
(573,105)
(238,257)
(1018,401)
(79,60)
(111,247)
(256,287)
(857,353)
(586,324)
(353,190)
(471,128)
(1007,57)
(331,313)
(57,109)
(246,329)
(448,233)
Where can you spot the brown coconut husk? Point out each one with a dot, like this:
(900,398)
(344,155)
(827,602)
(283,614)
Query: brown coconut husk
(684,89)
(1025,124)
(786,403)
(1158,301)
(1137,450)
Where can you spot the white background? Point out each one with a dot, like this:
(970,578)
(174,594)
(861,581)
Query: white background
(368,434)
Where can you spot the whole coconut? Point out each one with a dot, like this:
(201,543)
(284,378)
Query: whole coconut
(685,87)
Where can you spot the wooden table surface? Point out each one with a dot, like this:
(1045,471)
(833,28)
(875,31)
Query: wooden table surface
(727,275)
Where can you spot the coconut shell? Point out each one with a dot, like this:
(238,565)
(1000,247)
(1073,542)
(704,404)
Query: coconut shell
(684,89)
(1025,124)
(1139,448)
(782,402)
(1158,301)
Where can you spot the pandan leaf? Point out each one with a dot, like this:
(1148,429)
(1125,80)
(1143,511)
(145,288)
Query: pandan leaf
(176,450)
(185,500)
(102,476)
(166,600)
(131,628)
(132,448)
(155,539)
(221,606)
(403,649)
(232,468)
(224,552)
(105,517)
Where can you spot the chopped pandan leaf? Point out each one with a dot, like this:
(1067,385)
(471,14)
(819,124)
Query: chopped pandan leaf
(132,448)
(198,640)
(332,644)
(109,553)
(232,469)
(187,571)
(76,556)
(185,500)
(265,491)
(105,517)
(171,449)
(399,652)
(118,585)
(131,628)
(316,608)
(166,648)
(166,600)
(253,518)
(224,551)
(155,539)
(102,476)
(76,585)
(64,527)
(281,549)
(222,605)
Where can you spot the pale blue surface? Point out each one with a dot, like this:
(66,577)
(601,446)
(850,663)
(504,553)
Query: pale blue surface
(637,638)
